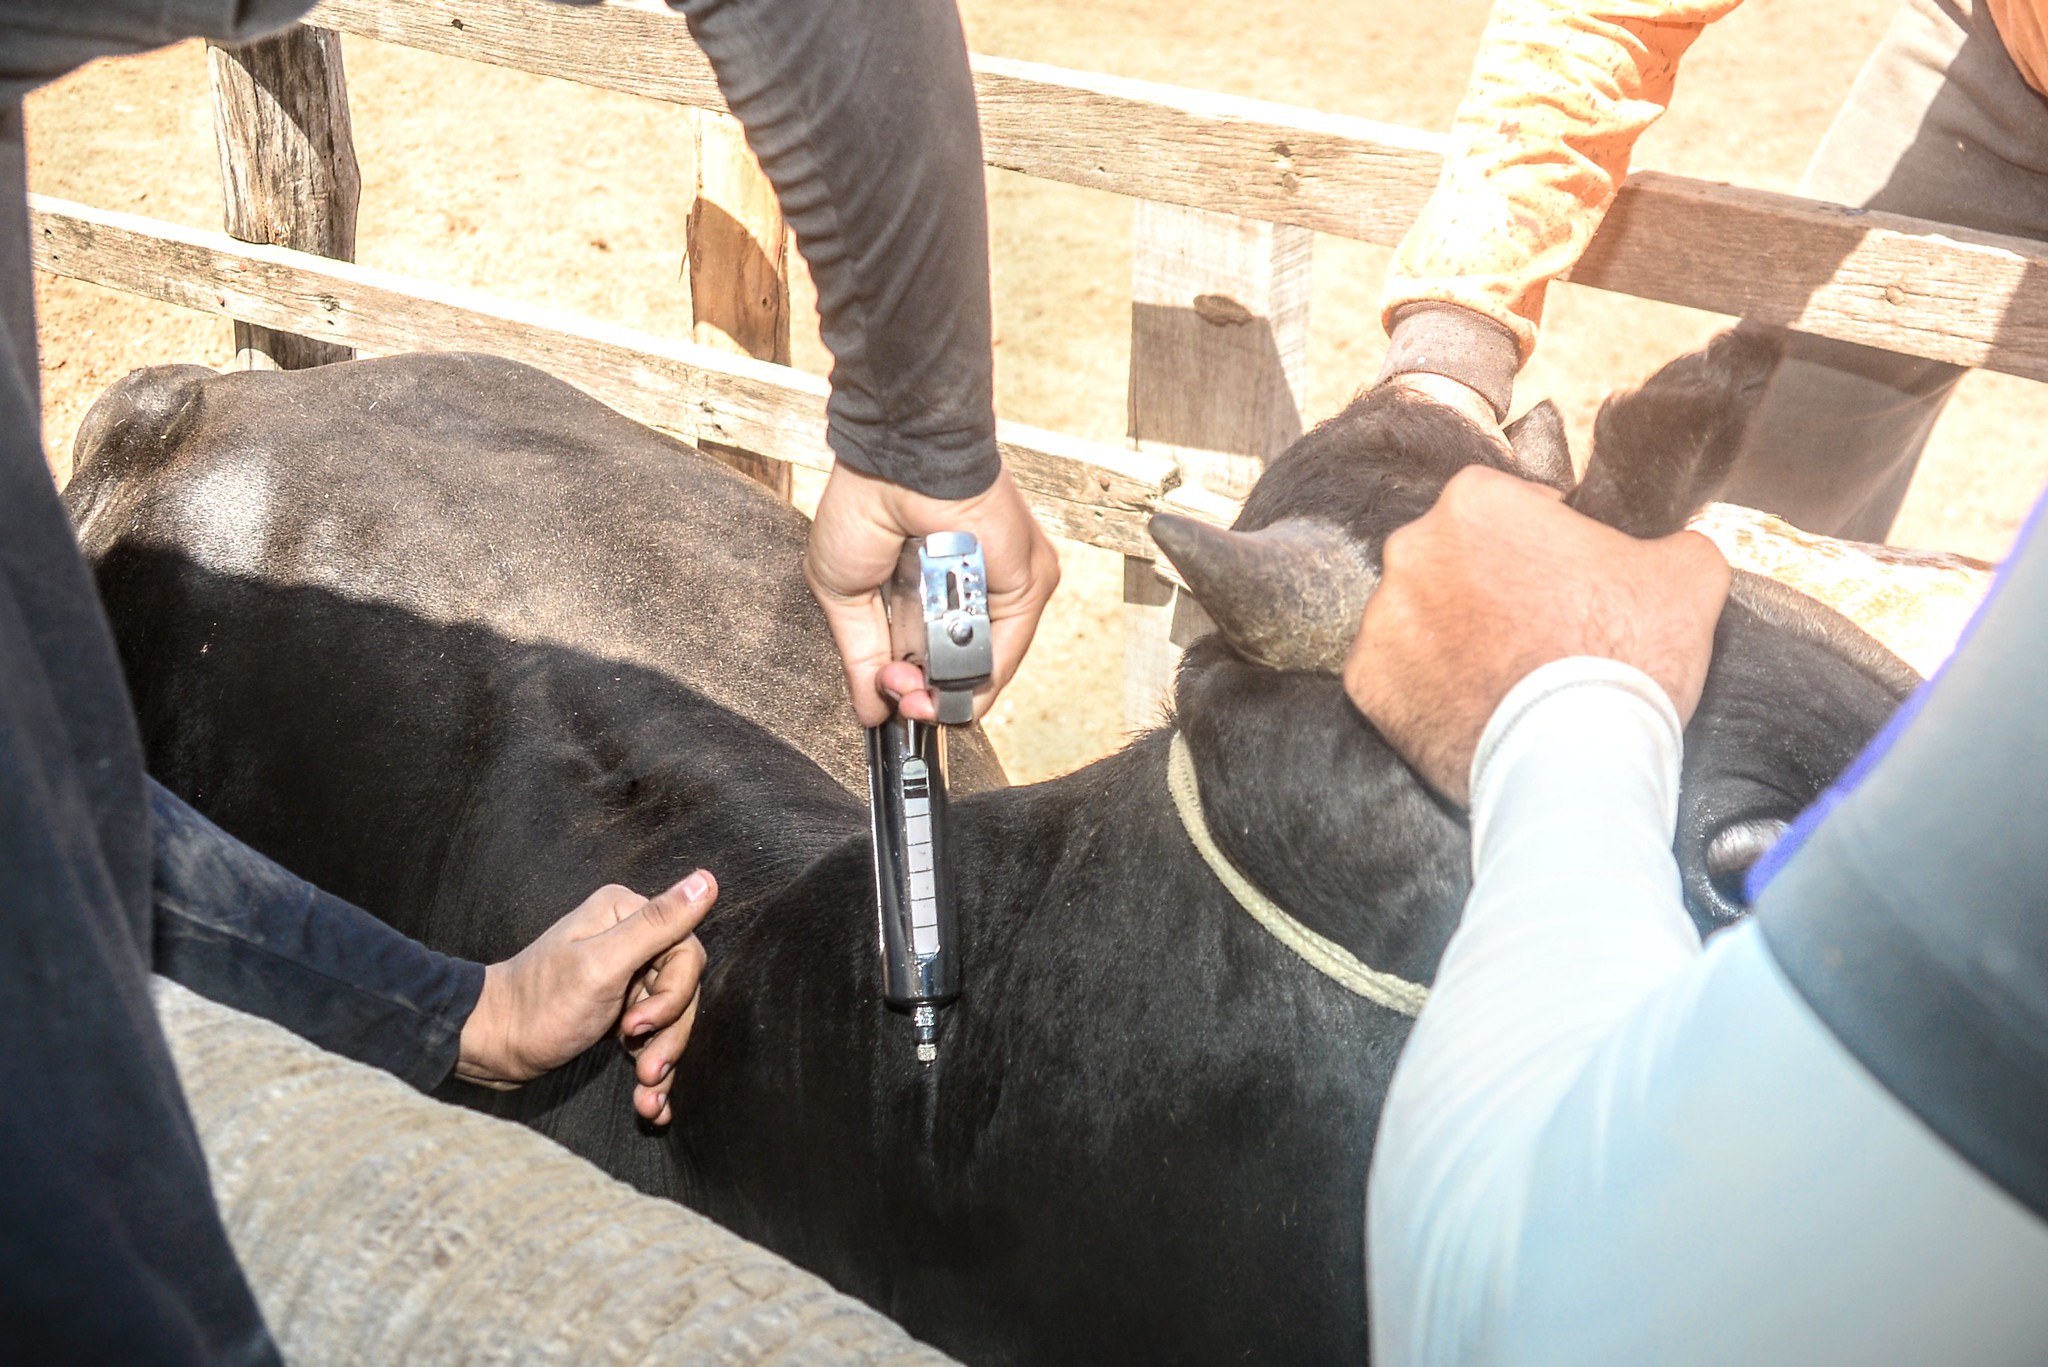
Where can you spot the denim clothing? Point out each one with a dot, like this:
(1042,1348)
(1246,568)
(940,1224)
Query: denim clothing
(235,927)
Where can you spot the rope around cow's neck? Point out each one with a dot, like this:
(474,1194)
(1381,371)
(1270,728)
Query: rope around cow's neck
(1326,956)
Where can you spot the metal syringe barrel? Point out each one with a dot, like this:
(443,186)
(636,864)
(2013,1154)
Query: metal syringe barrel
(938,620)
(913,874)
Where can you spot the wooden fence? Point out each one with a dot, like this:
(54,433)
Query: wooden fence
(1230,194)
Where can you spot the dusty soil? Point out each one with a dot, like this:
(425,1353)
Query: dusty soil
(544,191)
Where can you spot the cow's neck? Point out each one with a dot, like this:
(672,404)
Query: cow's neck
(1311,805)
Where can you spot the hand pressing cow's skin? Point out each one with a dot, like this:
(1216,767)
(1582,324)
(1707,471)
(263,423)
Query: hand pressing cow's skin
(618,961)
(1500,577)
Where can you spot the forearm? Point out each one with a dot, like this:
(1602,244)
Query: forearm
(235,927)
(862,113)
(1723,1183)
(1560,91)
(1576,910)
(1600,1139)
(1575,918)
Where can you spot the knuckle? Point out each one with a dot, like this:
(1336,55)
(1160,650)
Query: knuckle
(1396,555)
(1475,488)
(1462,484)
(684,968)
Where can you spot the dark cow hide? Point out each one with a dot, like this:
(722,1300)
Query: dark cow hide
(460,643)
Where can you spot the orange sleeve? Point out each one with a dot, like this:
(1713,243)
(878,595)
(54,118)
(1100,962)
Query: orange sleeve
(1559,94)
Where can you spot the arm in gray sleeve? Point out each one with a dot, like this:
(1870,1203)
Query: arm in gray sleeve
(40,40)
(862,113)
(235,927)
(1605,1146)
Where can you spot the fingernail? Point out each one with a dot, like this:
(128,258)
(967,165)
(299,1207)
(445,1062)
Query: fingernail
(696,885)
(665,1068)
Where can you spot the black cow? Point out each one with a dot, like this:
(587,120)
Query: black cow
(459,643)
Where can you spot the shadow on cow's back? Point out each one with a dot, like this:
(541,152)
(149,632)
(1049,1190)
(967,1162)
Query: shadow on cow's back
(470,488)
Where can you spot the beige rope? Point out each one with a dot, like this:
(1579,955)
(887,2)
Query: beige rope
(1327,957)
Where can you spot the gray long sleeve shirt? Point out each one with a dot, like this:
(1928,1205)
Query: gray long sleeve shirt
(862,113)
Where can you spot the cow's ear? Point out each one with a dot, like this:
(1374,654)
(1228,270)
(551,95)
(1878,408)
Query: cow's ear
(1662,452)
(1541,449)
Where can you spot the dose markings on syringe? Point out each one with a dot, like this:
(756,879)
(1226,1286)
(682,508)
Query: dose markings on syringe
(924,892)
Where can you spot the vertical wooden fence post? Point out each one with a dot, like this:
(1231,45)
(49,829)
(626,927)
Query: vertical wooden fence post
(739,268)
(287,166)
(1219,346)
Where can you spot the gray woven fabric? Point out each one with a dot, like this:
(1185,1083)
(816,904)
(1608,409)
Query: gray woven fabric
(377,1225)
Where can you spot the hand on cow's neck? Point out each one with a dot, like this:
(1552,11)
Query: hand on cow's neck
(1308,801)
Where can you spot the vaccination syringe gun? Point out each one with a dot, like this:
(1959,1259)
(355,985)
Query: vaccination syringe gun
(938,619)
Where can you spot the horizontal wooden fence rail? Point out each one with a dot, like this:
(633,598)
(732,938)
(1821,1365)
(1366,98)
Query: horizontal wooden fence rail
(1879,279)
(1088,491)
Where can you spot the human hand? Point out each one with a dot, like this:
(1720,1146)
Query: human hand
(856,540)
(1499,578)
(618,960)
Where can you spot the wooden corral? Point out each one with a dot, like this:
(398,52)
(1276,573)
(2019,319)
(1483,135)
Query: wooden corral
(1231,191)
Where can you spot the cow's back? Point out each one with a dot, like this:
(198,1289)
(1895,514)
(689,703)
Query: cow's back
(503,499)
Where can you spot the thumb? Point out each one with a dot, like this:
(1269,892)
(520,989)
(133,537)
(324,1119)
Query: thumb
(661,923)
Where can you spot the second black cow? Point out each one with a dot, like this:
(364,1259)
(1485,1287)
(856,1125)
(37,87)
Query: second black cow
(459,643)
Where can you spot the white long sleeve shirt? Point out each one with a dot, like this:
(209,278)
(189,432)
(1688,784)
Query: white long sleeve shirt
(1607,1145)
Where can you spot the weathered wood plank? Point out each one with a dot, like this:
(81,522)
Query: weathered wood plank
(1219,379)
(739,249)
(1904,284)
(1227,154)
(1219,341)
(287,165)
(738,268)
(1084,490)
(1328,172)
(639,52)
(1946,293)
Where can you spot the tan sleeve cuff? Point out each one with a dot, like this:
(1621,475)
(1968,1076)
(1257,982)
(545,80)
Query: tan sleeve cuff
(1459,344)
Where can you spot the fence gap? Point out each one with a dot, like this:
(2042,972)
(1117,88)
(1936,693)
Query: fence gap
(738,268)
(287,166)
(1219,350)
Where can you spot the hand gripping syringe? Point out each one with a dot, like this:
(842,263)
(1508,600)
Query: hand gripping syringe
(938,618)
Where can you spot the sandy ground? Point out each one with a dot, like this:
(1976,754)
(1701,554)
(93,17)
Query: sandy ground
(543,191)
